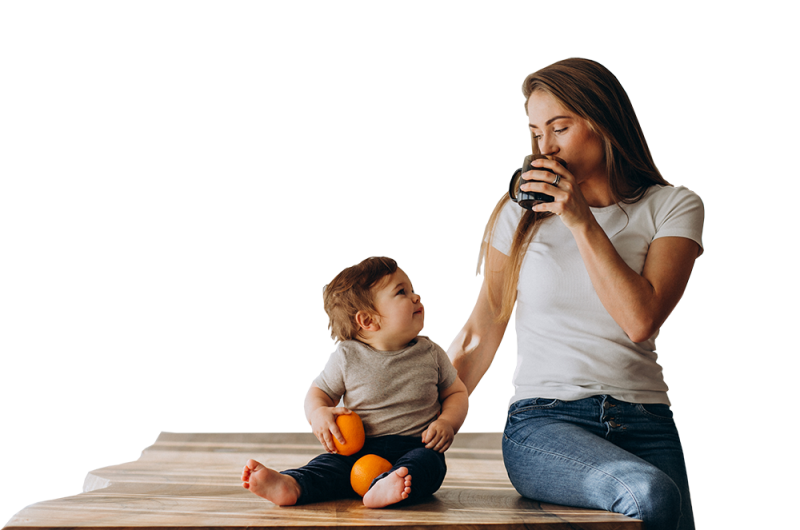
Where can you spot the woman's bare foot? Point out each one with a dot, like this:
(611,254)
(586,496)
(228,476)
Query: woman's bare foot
(282,490)
(391,489)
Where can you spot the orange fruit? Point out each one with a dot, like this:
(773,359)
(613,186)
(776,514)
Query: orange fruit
(353,431)
(365,470)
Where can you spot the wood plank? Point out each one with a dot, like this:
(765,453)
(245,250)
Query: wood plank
(193,480)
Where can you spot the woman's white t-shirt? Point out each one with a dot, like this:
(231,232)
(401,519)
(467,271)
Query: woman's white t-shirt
(568,345)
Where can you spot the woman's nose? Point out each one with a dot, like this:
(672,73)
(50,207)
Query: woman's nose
(547,145)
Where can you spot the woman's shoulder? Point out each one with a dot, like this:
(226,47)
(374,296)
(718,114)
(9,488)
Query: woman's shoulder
(660,195)
(511,212)
(665,202)
(675,211)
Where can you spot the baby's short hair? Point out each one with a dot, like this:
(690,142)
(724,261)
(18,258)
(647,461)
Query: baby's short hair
(350,292)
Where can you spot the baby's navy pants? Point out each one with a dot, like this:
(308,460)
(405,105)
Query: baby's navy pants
(327,477)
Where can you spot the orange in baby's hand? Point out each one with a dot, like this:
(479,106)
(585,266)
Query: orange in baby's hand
(353,431)
(365,470)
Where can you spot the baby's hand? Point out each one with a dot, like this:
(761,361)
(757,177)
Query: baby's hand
(323,424)
(438,436)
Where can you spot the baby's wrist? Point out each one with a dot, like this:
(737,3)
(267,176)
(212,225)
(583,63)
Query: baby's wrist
(444,421)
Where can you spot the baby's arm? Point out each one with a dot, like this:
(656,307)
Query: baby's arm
(321,413)
(439,434)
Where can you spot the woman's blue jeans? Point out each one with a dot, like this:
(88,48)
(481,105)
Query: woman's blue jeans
(327,477)
(600,453)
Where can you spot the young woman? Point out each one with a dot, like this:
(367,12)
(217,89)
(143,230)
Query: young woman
(594,274)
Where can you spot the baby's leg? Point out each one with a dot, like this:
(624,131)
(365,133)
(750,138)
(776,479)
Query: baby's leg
(391,489)
(325,478)
(428,469)
(280,489)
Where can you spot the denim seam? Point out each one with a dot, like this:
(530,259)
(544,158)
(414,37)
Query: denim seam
(635,501)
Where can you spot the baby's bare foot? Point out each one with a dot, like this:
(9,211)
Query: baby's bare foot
(391,489)
(282,490)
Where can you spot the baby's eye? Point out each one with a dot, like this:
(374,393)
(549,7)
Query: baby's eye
(401,291)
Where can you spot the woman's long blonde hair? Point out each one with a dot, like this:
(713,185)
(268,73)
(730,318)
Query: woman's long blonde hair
(589,90)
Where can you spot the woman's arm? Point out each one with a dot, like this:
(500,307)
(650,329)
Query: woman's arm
(640,304)
(474,347)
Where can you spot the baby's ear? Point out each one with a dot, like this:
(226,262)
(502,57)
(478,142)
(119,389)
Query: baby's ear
(367,322)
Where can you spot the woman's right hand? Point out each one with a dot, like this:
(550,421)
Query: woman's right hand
(323,425)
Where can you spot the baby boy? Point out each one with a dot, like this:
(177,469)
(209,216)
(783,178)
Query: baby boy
(401,384)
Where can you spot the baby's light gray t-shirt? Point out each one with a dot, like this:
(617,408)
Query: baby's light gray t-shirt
(394,392)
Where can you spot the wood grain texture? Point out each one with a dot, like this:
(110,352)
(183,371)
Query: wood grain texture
(193,481)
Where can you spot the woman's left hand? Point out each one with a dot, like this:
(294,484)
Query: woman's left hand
(568,200)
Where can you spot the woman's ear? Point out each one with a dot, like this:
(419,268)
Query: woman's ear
(367,322)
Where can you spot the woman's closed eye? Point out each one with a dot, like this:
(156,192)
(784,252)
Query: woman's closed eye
(557,131)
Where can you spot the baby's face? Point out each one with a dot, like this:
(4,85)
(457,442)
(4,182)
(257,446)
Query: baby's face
(401,314)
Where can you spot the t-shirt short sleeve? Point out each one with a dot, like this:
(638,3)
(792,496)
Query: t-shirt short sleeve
(505,227)
(331,379)
(447,372)
(681,215)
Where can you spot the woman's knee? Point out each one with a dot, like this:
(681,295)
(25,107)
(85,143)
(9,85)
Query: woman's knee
(629,487)
(652,497)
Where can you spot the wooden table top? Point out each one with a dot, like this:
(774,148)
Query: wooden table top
(193,480)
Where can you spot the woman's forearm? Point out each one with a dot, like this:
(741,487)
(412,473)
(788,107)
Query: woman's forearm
(473,349)
(469,359)
(639,303)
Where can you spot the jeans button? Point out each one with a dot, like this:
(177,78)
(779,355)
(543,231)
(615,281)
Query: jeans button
(613,424)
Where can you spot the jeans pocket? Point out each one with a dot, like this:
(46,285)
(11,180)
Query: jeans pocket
(527,405)
(526,409)
(657,411)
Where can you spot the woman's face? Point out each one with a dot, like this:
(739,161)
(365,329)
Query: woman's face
(568,136)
